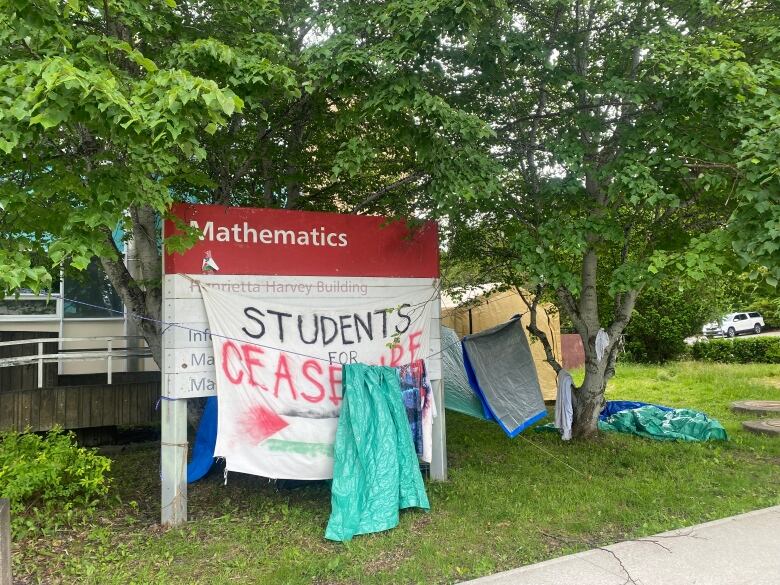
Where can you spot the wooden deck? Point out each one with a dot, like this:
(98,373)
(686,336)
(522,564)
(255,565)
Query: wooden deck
(83,401)
(79,407)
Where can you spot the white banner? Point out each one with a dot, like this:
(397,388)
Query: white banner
(278,370)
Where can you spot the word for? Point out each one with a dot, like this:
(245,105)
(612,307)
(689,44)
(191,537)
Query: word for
(245,234)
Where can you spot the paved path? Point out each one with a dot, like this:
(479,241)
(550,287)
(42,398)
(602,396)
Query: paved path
(741,550)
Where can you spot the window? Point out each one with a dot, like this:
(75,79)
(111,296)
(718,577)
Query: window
(92,288)
(755,315)
(28,305)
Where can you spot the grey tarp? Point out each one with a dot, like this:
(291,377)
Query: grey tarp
(502,372)
(458,394)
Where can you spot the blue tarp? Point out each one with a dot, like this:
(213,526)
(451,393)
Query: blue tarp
(205,440)
(675,424)
(613,406)
(458,394)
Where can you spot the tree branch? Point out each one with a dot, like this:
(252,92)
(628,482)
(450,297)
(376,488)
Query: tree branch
(386,189)
(534,329)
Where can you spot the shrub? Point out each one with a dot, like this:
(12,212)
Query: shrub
(661,321)
(769,309)
(49,479)
(738,351)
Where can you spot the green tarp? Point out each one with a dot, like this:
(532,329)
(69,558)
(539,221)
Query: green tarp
(376,472)
(458,394)
(679,424)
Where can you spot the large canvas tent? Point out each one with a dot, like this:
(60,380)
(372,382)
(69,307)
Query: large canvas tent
(484,307)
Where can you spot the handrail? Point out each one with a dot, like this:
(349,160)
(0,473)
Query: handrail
(76,355)
(84,354)
(59,339)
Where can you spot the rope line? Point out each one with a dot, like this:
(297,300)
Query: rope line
(169,324)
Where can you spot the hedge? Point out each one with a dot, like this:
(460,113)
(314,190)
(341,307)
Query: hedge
(738,351)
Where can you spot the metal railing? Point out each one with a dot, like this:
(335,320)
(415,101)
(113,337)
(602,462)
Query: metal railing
(107,352)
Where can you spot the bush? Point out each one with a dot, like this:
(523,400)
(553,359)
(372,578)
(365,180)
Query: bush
(738,351)
(769,309)
(49,479)
(661,321)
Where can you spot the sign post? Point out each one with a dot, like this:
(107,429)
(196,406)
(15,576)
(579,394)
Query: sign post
(6,573)
(267,268)
(173,438)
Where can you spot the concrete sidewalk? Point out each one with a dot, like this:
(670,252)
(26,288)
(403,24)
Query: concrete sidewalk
(741,550)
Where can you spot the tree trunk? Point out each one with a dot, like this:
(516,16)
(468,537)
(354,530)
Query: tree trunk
(588,402)
(141,293)
(588,398)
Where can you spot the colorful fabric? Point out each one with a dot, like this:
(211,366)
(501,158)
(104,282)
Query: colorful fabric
(417,397)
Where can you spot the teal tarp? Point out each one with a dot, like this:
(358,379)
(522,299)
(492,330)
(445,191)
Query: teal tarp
(458,394)
(376,472)
(679,424)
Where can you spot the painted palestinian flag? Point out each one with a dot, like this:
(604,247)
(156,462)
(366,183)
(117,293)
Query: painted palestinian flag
(208,263)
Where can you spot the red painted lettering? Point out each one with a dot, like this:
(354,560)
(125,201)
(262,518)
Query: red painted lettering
(335,382)
(226,347)
(283,373)
(313,365)
(414,344)
(250,351)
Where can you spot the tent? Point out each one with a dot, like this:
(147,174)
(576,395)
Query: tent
(483,307)
(458,394)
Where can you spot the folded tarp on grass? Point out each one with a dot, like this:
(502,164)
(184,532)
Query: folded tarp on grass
(614,406)
(458,395)
(375,471)
(502,373)
(678,424)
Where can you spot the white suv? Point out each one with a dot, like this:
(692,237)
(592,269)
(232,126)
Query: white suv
(734,324)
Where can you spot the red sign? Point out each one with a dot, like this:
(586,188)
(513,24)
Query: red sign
(240,240)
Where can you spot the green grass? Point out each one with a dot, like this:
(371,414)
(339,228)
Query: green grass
(508,502)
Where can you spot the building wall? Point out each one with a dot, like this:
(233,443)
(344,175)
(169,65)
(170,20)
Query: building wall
(573,352)
(38,325)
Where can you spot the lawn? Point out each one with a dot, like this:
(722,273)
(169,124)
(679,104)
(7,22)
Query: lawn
(508,502)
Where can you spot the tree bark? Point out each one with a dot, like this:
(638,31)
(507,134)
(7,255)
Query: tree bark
(141,295)
(588,398)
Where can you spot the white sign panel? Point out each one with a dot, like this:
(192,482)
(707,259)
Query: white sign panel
(278,371)
(188,358)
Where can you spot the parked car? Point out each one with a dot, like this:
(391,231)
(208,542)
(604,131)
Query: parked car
(734,324)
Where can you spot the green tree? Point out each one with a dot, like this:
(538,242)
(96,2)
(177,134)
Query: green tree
(664,316)
(111,110)
(635,140)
